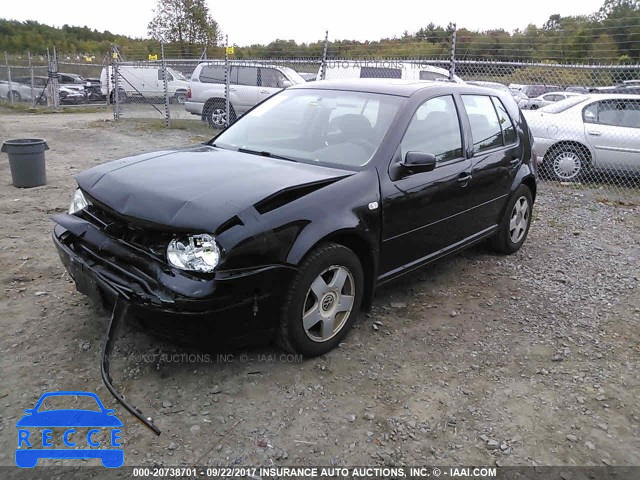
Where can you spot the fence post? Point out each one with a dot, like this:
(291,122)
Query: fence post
(227,78)
(53,77)
(116,90)
(323,65)
(452,64)
(33,86)
(167,111)
(10,92)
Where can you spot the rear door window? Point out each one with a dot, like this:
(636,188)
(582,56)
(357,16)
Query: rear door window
(614,112)
(212,74)
(508,130)
(246,76)
(485,125)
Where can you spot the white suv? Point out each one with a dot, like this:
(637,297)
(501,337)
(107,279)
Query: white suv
(249,84)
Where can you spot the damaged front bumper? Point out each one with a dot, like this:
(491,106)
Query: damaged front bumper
(240,303)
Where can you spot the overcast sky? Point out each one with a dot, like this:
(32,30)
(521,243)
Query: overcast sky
(249,22)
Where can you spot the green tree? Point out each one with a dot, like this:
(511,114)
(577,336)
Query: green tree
(604,50)
(185,23)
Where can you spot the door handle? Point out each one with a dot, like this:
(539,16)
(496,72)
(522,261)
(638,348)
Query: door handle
(264,91)
(595,133)
(514,161)
(232,89)
(464,178)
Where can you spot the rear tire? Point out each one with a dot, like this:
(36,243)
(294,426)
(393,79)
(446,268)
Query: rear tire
(15,95)
(567,163)
(514,227)
(323,301)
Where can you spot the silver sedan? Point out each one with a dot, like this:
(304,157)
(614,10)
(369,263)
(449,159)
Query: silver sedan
(588,134)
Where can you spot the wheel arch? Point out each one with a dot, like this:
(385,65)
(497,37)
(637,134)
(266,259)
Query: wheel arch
(211,102)
(581,146)
(357,242)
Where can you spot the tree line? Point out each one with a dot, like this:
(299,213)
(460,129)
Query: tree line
(610,35)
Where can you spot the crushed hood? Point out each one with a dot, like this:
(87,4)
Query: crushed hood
(198,188)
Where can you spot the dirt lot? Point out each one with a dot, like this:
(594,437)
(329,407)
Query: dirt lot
(530,359)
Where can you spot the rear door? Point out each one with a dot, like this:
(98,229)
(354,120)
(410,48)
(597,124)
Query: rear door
(243,88)
(496,158)
(424,214)
(612,128)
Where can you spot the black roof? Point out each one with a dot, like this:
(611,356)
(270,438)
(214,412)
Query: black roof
(389,86)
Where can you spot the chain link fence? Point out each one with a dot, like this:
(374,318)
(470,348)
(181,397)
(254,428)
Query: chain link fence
(585,119)
(49,81)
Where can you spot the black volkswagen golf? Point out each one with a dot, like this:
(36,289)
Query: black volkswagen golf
(285,223)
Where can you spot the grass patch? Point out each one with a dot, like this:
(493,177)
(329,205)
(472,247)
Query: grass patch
(200,130)
(7,108)
(197,127)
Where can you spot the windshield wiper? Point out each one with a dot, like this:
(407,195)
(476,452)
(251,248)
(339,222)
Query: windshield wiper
(264,153)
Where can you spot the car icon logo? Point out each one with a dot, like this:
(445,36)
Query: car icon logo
(37,439)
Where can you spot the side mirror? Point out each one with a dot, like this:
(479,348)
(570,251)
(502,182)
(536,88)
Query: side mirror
(419,162)
(286,84)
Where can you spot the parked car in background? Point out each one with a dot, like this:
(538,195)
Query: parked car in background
(71,96)
(576,89)
(17,90)
(309,77)
(588,133)
(249,84)
(622,88)
(547,99)
(390,69)
(286,222)
(533,91)
(142,82)
(72,81)
(520,97)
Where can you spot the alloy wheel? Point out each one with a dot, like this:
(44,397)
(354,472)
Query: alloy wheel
(328,303)
(519,220)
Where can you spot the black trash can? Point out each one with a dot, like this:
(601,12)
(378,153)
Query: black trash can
(26,159)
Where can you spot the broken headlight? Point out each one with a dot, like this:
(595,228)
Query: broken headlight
(198,253)
(78,202)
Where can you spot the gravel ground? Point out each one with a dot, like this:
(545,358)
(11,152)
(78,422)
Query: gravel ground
(530,359)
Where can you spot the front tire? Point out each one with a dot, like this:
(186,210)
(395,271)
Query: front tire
(181,97)
(514,227)
(323,301)
(14,95)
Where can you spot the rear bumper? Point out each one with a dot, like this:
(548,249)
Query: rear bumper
(240,301)
(193,107)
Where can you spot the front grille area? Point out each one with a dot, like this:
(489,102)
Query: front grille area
(148,241)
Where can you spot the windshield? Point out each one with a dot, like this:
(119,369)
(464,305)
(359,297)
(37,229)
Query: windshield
(562,105)
(177,74)
(293,75)
(329,127)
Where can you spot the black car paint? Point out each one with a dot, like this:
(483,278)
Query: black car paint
(267,214)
